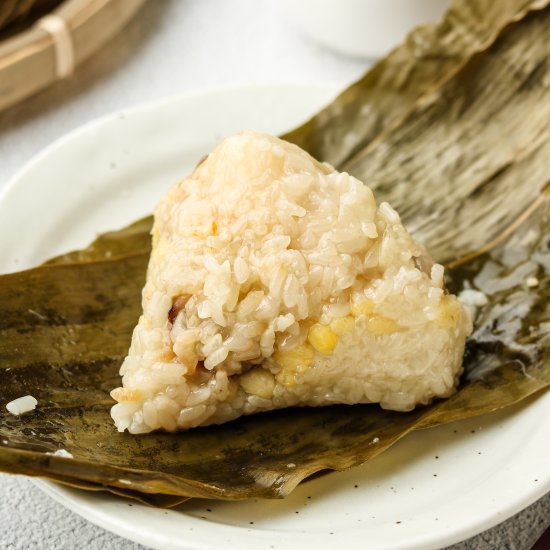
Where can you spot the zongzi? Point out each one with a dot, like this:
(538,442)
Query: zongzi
(276,281)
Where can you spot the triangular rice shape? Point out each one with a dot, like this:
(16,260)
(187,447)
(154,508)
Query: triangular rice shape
(276,281)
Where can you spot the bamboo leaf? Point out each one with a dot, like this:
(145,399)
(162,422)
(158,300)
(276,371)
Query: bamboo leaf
(467,153)
(428,57)
(465,166)
(249,457)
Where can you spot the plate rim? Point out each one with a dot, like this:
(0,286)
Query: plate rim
(140,107)
(58,492)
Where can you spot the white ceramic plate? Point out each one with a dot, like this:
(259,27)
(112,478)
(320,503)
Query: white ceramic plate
(432,489)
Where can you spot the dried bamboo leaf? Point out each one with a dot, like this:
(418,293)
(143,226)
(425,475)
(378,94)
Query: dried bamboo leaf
(63,340)
(54,321)
(157,500)
(429,55)
(469,146)
(508,356)
(248,457)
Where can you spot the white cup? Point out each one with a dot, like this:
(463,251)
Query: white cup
(361,28)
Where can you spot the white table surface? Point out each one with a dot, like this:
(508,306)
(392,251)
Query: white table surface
(171,47)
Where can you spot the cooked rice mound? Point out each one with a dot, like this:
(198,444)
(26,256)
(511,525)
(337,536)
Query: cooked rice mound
(277,281)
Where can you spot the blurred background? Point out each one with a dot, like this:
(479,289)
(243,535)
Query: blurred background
(171,47)
(141,50)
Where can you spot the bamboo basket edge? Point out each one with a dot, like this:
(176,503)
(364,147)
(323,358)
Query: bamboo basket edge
(28,60)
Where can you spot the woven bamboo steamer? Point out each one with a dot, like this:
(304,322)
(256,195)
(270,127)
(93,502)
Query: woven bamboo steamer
(29,61)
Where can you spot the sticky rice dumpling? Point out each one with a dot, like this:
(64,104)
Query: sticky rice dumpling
(276,281)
